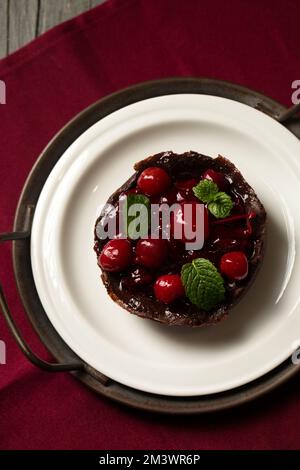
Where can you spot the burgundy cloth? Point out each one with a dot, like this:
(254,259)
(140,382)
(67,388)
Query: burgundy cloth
(115,45)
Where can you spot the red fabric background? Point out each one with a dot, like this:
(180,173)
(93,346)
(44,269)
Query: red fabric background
(115,45)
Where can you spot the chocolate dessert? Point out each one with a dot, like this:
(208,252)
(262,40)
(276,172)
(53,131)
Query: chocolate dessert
(155,276)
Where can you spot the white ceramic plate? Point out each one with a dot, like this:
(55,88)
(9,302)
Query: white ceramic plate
(260,332)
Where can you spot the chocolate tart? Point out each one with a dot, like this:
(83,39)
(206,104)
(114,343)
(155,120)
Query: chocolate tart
(223,238)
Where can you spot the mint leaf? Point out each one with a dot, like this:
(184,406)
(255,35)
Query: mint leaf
(137,224)
(221,205)
(137,199)
(204,285)
(205,190)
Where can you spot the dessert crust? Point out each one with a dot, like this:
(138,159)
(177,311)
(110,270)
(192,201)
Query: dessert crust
(182,312)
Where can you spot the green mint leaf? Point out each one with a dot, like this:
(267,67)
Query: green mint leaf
(137,224)
(221,205)
(204,285)
(205,190)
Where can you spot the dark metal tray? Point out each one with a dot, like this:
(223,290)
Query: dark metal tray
(65,357)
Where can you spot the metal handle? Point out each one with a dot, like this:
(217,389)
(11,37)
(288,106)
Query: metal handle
(26,349)
(288,113)
(52,367)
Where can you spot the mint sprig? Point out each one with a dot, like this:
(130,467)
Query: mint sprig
(137,225)
(206,190)
(219,203)
(204,285)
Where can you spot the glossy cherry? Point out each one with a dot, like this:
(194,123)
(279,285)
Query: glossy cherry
(182,224)
(168,288)
(234,265)
(217,178)
(154,181)
(151,252)
(116,255)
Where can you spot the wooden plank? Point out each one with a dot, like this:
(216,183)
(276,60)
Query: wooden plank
(54,12)
(3,28)
(22,20)
(22,24)
(94,3)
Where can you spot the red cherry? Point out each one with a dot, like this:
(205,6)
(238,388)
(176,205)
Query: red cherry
(151,252)
(179,220)
(234,265)
(153,181)
(116,255)
(217,178)
(168,288)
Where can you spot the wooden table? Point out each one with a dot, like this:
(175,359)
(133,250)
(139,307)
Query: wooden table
(23,20)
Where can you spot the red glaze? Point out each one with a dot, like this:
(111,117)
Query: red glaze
(151,252)
(217,178)
(179,220)
(186,184)
(176,249)
(234,244)
(234,218)
(234,265)
(224,230)
(172,196)
(168,288)
(185,188)
(177,195)
(133,191)
(154,181)
(137,277)
(116,255)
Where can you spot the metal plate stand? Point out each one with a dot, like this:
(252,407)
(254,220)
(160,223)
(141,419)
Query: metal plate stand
(66,359)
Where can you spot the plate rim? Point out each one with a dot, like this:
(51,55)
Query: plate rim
(102,352)
(133,94)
